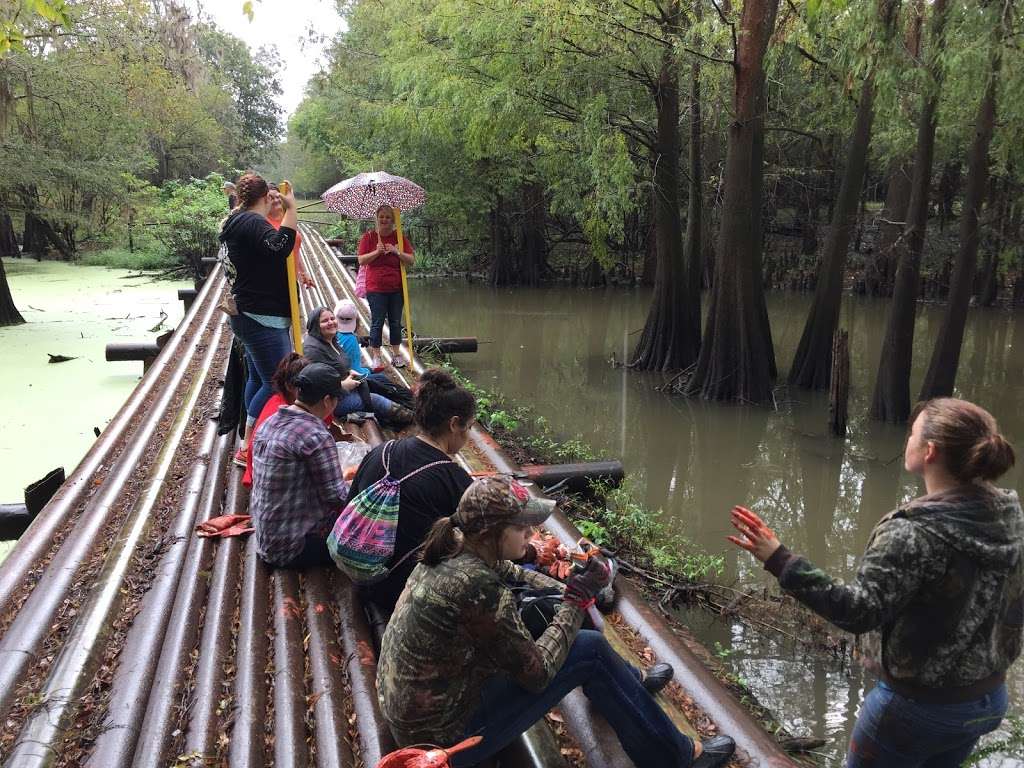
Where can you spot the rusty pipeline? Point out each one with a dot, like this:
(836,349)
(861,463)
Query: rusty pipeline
(290,749)
(177,578)
(38,539)
(73,666)
(326,662)
(201,731)
(250,693)
(361,662)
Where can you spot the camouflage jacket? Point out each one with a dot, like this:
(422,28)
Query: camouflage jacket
(456,625)
(940,588)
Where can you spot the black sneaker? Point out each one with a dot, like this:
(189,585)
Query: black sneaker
(717,751)
(656,678)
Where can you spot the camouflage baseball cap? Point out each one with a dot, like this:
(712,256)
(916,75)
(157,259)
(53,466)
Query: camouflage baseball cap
(499,499)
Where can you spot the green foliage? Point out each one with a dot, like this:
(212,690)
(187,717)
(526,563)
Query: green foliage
(122,258)
(188,217)
(1012,744)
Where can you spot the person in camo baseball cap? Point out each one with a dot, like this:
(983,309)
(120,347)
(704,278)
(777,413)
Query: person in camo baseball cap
(499,500)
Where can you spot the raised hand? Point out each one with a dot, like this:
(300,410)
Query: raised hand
(755,537)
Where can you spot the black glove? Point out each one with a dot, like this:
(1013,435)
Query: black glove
(581,588)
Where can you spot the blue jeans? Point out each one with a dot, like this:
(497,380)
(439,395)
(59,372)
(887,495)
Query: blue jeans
(893,730)
(264,349)
(385,306)
(353,402)
(646,733)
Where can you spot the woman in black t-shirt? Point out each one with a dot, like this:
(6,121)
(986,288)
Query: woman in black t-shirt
(444,412)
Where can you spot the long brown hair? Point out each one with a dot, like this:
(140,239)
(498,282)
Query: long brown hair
(445,542)
(968,436)
(438,398)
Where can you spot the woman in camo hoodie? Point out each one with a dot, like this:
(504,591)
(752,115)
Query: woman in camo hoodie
(940,589)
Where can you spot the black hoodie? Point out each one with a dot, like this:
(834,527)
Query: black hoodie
(259,253)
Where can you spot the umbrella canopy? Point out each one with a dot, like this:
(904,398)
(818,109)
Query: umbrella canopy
(361,196)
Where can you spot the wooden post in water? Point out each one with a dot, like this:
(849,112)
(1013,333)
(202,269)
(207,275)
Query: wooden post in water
(839,387)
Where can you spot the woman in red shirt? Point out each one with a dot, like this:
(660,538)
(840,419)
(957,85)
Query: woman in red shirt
(379,255)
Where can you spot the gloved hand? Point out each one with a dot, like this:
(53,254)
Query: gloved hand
(582,587)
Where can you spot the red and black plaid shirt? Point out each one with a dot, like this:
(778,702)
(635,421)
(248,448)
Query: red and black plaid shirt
(298,487)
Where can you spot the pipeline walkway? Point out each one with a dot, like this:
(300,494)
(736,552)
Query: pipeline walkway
(127,641)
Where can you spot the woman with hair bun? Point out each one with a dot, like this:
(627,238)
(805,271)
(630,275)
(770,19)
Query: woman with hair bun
(940,589)
(444,413)
(259,253)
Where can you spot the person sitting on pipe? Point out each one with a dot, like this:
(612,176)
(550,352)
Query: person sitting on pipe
(320,345)
(456,660)
(379,383)
(298,486)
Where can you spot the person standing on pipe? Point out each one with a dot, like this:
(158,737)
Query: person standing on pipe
(275,216)
(379,256)
(940,590)
(456,660)
(262,316)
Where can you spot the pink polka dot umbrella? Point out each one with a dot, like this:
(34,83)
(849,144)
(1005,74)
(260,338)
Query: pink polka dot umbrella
(361,196)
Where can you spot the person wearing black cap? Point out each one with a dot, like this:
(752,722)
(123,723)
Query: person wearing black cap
(298,486)
(456,660)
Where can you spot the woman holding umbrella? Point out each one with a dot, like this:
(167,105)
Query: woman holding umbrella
(379,255)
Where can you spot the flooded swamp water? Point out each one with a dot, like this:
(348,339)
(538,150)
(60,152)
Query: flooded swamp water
(554,349)
(48,411)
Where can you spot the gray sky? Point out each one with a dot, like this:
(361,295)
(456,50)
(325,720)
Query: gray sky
(286,24)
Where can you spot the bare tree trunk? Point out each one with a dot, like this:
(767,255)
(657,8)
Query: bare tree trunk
(9,314)
(669,341)
(941,376)
(8,240)
(694,246)
(502,271)
(891,399)
(735,362)
(812,364)
(533,256)
(757,211)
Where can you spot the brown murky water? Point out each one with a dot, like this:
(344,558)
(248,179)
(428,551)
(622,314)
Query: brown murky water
(553,348)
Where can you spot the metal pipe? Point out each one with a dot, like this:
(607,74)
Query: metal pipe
(438,344)
(14,520)
(361,662)
(214,650)
(290,748)
(577,477)
(120,351)
(156,722)
(328,694)
(173,582)
(73,667)
(250,705)
(55,517)
(187,295)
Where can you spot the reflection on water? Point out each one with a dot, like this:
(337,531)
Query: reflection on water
(554,349)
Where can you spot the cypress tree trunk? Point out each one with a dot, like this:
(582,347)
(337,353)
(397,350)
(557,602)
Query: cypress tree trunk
(669,341)
(891,399)
(694,247)
(812,364)
(757,211)
(532,257)
(941,376)
(735,362)
(9,314)
(502,271)
(8,240)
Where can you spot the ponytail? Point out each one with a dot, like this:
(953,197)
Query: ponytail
(442,543)
(968,436)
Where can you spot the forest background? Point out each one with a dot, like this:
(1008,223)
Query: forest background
(709,149)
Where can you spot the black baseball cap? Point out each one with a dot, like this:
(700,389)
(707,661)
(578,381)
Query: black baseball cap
(316,381)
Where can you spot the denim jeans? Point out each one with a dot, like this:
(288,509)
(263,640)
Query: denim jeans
(264,349)
(353,402)
(646,733)
(892,730)
(385,306)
